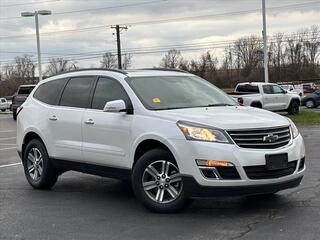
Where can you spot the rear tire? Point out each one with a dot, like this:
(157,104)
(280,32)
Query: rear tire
(157,183)
(293,108)
(14,115)
(39,171)
(3,110)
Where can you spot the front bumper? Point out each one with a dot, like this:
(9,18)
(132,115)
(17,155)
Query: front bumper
(195,190)
(188,151)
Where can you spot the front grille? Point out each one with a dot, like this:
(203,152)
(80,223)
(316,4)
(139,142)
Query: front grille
(269,138)
(260,172)
(226,173)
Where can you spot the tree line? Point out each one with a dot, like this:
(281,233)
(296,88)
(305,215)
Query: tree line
(292,57)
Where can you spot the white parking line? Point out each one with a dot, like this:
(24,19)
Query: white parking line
(8,144)
(8,138)
(10,165)
(7,131)
(3,149)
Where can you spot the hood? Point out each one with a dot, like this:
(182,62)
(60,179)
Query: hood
(233,117)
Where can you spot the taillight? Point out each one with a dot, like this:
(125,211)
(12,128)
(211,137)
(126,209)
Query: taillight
(14,100)
(19,109)
(240,101)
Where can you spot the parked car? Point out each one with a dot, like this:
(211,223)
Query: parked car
(298,89)
(9,100)
(4,105)
(308,87)
(19,98)
(311,100)
(268,96)
(173,134)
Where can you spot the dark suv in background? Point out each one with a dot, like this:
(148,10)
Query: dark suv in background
(19,98)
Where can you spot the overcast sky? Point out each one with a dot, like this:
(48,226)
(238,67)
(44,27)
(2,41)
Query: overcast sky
(146,37)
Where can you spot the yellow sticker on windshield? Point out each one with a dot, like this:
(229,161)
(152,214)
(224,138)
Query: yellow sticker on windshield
(156,100)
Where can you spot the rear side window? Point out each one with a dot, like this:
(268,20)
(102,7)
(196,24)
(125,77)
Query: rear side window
(267,89)
(247,88)
(108,90)
(76,92)
(49,92)
(25,90)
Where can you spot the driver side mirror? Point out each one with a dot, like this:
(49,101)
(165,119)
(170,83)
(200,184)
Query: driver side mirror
(115,106)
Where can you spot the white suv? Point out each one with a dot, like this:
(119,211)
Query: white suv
(173,134)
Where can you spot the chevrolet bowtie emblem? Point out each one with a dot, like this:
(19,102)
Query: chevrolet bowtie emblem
(270,138)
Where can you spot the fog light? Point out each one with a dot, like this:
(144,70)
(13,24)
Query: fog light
(213,163)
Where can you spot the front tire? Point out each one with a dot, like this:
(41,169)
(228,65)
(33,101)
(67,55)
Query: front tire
(38,169)
(157,182)
(293,108)
(310,103)
(3,110)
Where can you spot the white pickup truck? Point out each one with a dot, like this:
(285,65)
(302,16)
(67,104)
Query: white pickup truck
(268,96)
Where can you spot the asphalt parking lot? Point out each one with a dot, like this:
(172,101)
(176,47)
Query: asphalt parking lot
(87,207)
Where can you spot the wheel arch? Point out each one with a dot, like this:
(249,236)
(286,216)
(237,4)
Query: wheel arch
(30,135)
(295,100)
(256,104)
(151,142)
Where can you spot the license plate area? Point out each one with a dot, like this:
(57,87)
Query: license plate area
(276,161)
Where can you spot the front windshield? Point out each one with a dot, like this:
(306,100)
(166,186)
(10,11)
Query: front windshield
(172,92)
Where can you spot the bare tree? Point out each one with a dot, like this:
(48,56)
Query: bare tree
(172,59)
(126,61)
(109,61)
(59,65)
(24,68)
(248,50)
(312,46)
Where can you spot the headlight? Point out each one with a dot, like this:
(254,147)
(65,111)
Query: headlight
(294,129)
(199,133)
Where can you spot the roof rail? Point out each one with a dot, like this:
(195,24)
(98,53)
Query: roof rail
(165,69)
(92,69)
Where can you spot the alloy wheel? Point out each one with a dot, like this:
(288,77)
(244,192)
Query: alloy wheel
(35,164)
(309,104)
(162,181)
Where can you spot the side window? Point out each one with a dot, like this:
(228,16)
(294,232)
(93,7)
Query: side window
(76,92)
(48,92)
(277,89)
(267,89)
(108,90)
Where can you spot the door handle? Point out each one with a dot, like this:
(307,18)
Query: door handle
(89,122)
(53,118)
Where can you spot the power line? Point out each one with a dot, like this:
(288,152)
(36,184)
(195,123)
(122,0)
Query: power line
(306,35)
(134,51)
(28,3)
(94,9)
(159,21)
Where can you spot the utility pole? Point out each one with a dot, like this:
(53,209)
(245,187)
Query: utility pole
(265,47)
(118,30)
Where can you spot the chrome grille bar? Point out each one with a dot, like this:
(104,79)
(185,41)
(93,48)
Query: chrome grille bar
(261,138)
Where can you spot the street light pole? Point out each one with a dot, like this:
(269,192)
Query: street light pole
(36,14)
(38,46)
(265,47)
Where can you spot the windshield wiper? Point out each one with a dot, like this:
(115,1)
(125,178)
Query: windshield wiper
(219,105)
(169,108)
